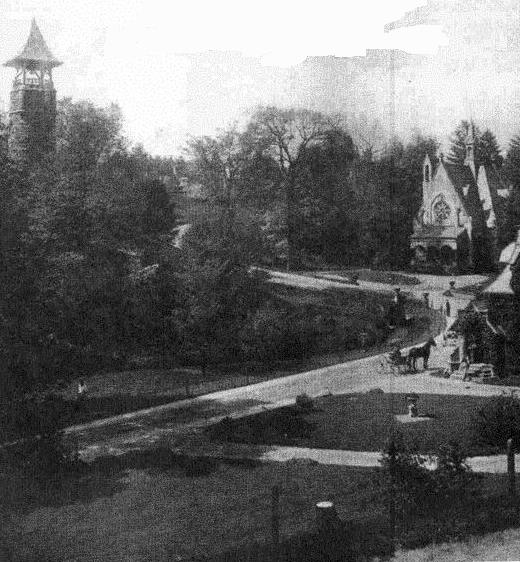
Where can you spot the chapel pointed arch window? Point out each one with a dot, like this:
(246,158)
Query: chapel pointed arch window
(441,210)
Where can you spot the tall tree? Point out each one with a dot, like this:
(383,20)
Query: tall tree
(98,218)
(86,134)
(22,316)
(512,173)
(327,227)
(217,288)
(486,148)
(288,134)
(390,197)
(217,163)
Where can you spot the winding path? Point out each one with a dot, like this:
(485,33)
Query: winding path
(180,419)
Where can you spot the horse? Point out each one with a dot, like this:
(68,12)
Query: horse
(418,352)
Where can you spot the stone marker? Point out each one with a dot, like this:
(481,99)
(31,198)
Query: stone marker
(327,520)
(412,400)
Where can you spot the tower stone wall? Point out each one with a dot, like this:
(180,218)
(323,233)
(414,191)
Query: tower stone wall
(32,123)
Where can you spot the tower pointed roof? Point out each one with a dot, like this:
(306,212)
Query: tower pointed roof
(34,51)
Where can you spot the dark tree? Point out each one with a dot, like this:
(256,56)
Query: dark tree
(390,195)
(486,148)
(512,174)
(326,225)
(288,135)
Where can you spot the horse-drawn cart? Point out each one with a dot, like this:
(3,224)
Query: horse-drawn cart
(408,363)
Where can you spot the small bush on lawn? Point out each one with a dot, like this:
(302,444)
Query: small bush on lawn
(498,420)
(453,480)
(405,477)
(304,402)
(416,488)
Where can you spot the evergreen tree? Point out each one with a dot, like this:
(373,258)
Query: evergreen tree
(486,148)
(393,199)
(489,150)
(512,173)
(512,162)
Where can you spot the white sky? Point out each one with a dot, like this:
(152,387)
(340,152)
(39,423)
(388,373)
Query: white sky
(127,51)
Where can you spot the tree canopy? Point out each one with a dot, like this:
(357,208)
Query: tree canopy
(486,148)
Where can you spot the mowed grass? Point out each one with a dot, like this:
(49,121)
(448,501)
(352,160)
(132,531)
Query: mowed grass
(158,511)
(502,545)
(364,422)
(155,506)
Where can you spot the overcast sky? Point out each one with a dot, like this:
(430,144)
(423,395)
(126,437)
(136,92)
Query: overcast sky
(127,51)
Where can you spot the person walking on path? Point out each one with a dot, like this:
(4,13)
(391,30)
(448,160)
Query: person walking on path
(448,309)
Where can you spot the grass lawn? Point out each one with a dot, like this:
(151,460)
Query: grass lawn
(153,506)
(150,507)
(503,545)
(363,422)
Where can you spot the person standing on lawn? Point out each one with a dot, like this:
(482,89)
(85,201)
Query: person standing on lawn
(448,309)
(82,389)
(464,367)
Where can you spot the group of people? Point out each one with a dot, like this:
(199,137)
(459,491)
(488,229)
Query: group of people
(429,303)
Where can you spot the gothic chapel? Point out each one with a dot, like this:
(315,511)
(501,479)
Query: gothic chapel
(456,228)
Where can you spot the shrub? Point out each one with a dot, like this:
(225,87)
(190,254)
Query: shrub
(417,488)
(36,425)
(304,402)
(262,336)
(498,420)
(406,480)
(272,334)
(452,478)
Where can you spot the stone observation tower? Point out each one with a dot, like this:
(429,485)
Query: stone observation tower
(33,100)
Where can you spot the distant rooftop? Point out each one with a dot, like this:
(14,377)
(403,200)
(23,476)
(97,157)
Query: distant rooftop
(35,51)
(502,284)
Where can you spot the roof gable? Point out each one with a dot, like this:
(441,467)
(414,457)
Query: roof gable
(467,189)
(455,178)
(496,187)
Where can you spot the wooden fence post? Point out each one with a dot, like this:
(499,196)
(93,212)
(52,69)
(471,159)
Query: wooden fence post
(511,467)
(392,454)
(327,520)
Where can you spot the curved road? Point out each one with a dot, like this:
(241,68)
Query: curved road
(353,376)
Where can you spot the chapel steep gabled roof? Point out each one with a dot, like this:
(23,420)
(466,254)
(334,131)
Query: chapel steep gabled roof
(34,51)
(465,184)
(497,185)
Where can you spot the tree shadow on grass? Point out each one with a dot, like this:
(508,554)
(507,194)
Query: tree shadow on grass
(168,418)
(99,407)
(283,426)
(85,482)
(350,541)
